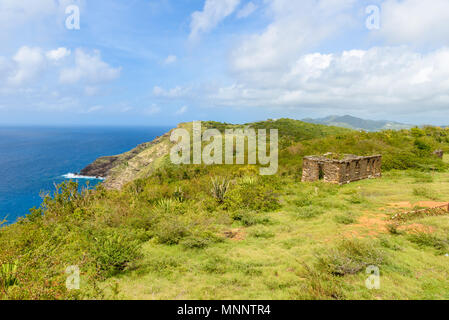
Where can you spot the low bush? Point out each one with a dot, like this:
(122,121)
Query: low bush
(308,213)
(254,198)
(113,251)
(345,219)
(350,257)
(429,240)
(249,219)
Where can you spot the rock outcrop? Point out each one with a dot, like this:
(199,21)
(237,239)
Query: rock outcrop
(137,163)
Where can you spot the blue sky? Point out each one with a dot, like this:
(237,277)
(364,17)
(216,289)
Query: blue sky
(160,62)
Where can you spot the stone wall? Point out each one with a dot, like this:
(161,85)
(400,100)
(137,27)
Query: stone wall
(348,169)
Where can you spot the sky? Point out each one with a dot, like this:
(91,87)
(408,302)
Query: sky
(161,62)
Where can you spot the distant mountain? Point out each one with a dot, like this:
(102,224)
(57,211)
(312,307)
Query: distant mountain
(351,122)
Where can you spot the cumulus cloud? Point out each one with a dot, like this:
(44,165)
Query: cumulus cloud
(28,62)
(90,68)
(247,10)
(379,79)
(58,54)
(213,13)
(415,21)
(296,27)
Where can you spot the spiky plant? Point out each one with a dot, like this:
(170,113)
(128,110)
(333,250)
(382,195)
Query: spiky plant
(8,275)
(220,188)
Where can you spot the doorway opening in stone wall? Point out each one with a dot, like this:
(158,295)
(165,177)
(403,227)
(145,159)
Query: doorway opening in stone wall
(320,172)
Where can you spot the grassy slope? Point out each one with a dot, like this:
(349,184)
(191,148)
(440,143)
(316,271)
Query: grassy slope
(165,236)
(268,261)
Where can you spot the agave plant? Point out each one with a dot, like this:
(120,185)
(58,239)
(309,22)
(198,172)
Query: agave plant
(220,188)
(249,181)
(8,275)
(166,204)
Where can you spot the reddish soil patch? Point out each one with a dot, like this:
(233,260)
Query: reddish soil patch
(235,234)
(402,204)
(368,226)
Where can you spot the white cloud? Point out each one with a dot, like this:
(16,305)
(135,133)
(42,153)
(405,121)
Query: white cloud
(170,59)
(182,110)
(90,68)
(247,10)
(28,63)
(415,21)
(381,79)
(58,54)
(213,13)
(296,27)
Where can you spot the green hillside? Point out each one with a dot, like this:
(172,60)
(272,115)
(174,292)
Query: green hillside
(225,232)
(359,124)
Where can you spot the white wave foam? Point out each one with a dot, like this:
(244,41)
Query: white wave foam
(77,176)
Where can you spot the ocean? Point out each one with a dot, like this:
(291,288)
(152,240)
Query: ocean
(32,159)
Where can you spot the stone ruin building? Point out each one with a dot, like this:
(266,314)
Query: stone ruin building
(439,153)
(333,169)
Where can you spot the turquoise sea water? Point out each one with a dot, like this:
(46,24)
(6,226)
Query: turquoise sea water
(32,159)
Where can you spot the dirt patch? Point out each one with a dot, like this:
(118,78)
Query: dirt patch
(370,226)
(235,234)
(402,204)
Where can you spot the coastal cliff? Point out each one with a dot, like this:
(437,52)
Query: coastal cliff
(121,169)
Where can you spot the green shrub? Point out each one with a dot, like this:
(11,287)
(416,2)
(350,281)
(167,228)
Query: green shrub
(200,240)
(304,200)
(320,286)
(254,198)
(350,257)
(308,212)
(249,219)
(171,230)
(393,229)
(345,219)
(429,240)
(113,252)
(356,199)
